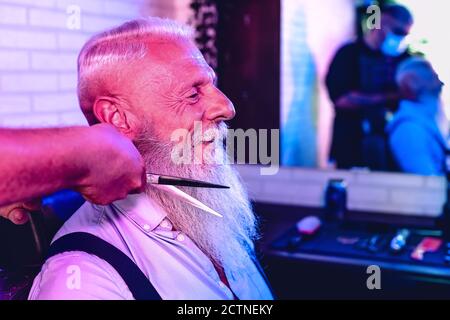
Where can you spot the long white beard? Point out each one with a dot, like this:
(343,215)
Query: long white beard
(228,241)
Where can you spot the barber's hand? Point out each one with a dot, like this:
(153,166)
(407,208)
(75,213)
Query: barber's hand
(18,212)
(115,168)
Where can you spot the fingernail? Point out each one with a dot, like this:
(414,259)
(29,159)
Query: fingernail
(18,216)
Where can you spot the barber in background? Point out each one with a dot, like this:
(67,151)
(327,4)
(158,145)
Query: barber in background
(361,84)
(418,131)
(96,161)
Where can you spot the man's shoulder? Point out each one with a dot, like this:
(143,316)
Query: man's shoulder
(405,125)
(99,280)
(88,218)
(405,128)
(346,56)
(407,120)
(350,48)
(78,275)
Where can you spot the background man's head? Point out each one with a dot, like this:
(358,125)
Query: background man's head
(417,79)
(149,72)
(396,23)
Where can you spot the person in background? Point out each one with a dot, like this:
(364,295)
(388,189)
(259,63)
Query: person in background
(361,84)
(416,138)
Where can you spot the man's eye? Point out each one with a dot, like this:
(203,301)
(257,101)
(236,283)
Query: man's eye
(194,96)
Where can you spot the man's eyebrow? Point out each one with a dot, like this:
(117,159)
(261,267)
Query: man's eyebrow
(202,80)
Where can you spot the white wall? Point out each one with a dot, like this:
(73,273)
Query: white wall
(38,53)
(371,192)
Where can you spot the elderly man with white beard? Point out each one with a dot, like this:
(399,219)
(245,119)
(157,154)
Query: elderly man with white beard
(148,79)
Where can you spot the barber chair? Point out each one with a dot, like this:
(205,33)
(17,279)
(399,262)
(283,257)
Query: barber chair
(23,248)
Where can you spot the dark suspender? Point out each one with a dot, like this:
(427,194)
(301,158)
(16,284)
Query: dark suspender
(137,282)
(263,274)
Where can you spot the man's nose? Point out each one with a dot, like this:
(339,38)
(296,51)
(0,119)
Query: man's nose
(220,108)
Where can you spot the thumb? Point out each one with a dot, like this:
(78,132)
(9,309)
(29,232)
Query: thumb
(18,216)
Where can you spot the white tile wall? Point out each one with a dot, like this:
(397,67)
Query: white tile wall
(367,191)
(38,53)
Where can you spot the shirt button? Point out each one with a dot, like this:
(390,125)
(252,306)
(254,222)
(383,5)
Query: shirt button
(166,224)
(146,227)
(180,237)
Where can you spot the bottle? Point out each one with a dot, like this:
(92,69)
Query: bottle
(336,199)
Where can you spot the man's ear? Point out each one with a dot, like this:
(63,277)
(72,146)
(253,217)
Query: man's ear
(106,110)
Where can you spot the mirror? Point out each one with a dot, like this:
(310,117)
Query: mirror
(402,125)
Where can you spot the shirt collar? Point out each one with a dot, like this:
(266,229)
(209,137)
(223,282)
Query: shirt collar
(142,210)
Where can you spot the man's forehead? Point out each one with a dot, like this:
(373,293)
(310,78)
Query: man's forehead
(178,56)
(192,63)
(174,51)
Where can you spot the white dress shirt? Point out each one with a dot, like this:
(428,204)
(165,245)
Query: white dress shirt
(138,227)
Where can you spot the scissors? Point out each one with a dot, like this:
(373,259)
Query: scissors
(168,184)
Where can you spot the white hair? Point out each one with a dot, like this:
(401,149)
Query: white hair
(118,46)
(227,241)
(413,65)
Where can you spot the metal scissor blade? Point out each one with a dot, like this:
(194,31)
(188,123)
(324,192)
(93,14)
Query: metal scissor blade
(187,198)
(177,181)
